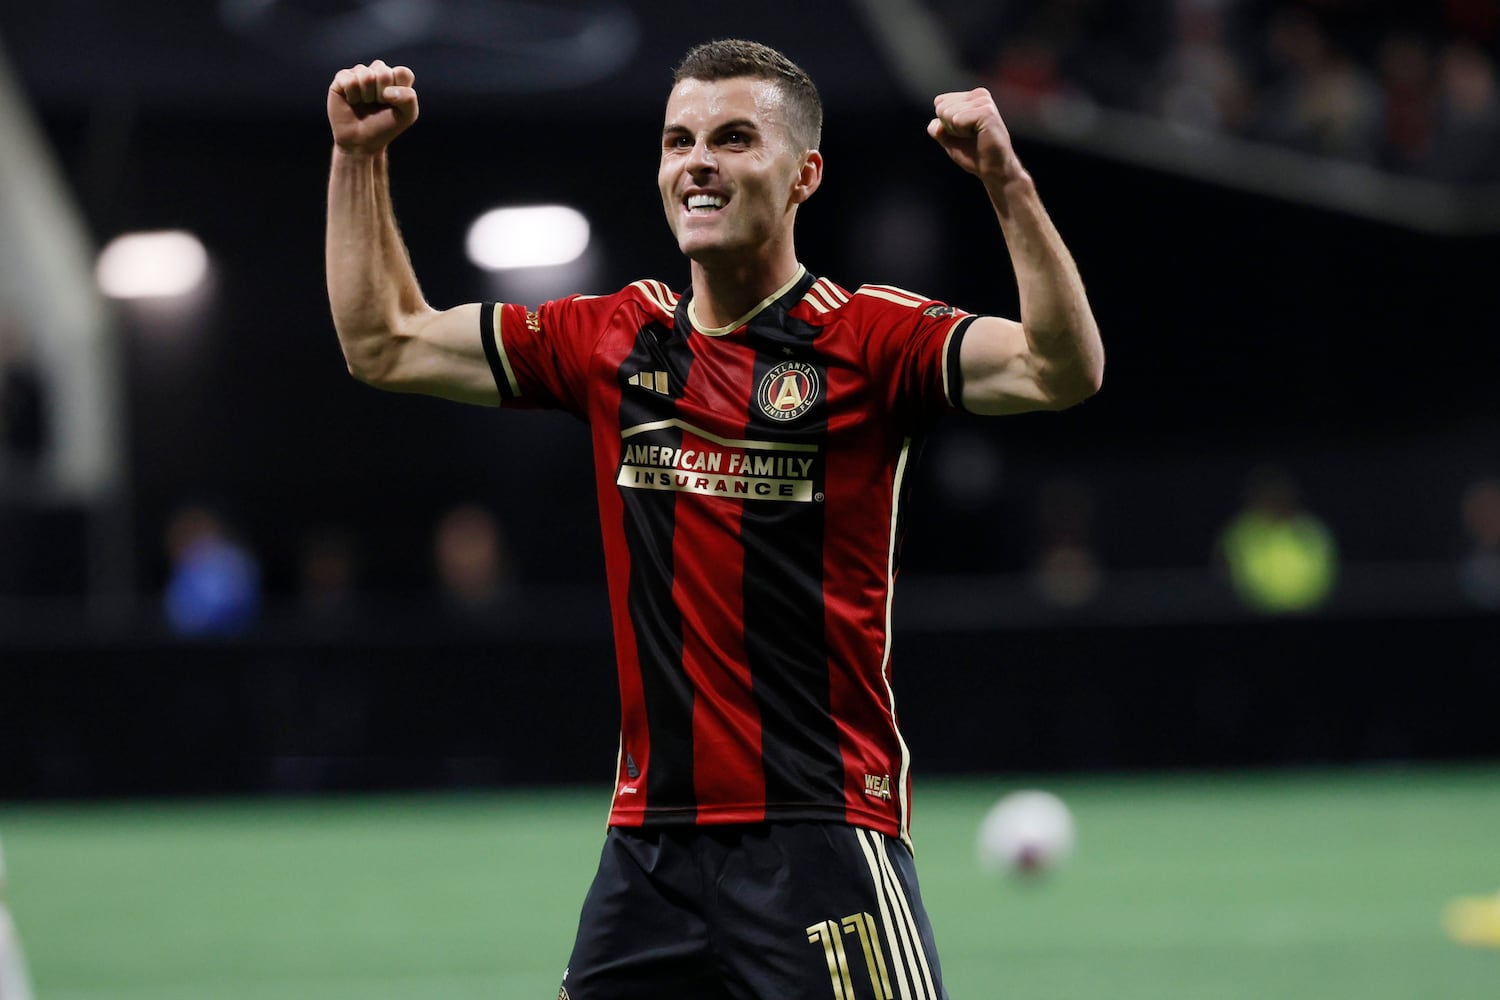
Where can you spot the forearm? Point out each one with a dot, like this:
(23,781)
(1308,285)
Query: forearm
(372,289)
(1055,313)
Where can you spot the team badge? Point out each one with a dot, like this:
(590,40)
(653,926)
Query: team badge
(937,311)
(788,390)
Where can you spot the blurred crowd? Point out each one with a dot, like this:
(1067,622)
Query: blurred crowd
(1406,87)
(1274,554)
(216,584)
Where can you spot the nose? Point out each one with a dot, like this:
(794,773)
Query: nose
(702,159)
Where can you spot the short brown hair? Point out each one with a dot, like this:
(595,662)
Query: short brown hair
(731,57)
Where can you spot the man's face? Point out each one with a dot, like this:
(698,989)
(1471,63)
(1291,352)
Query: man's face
(730,176)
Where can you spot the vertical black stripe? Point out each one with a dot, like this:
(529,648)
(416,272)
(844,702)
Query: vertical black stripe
(650,518)
(785,642)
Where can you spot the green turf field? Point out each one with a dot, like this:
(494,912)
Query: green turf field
(1326,886)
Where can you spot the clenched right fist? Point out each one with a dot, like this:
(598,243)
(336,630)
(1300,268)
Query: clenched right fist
(368,106)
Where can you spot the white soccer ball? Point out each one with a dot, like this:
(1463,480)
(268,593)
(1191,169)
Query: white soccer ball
(1026,832)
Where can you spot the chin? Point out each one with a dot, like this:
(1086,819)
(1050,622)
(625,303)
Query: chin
(699,249)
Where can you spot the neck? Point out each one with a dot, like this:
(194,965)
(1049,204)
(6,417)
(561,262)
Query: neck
(725,291)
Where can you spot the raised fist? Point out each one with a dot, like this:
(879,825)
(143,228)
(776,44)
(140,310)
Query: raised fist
(969,127)
(368,106)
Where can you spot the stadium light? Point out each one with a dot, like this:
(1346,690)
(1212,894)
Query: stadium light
(529,236)
(161,264)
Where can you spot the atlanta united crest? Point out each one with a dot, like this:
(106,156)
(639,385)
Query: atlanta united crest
(788,390)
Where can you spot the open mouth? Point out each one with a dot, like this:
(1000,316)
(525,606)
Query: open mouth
(704,204)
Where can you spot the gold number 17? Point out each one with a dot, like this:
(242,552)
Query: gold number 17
(828,934)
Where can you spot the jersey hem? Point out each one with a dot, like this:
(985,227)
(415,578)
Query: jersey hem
(721,816)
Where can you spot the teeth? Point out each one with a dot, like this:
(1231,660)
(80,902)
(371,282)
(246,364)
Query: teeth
(708,201)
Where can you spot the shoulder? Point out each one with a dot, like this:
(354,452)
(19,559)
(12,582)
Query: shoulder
(637,304)
(825,302)
(647,295)
(826,298)
(823,297)
(653,296)
(891,299)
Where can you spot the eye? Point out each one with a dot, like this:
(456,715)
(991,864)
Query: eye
(736,139)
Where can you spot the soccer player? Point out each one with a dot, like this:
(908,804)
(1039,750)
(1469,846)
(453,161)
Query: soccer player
(752,438)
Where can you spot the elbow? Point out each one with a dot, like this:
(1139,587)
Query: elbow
(372,353)
(1087,375)
(1077,384)
(1093,378)
(382,374)
(362,363)
(363,372)
(1069,364)
(373,366)
(1090,368)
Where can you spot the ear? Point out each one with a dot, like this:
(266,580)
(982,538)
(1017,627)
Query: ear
(808,178)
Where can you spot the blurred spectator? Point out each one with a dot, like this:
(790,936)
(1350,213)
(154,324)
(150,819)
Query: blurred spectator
(1078,53)
(1119,48)
(1408,102)
(1025,76)
(1466,148)
(1066,571)
(471,559)
(1203,87)
(1280,556)
(1479,570)
(327,570)
(213,587)
(1317,98)
(1352,80)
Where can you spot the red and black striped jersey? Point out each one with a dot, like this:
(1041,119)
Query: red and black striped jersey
(751,481)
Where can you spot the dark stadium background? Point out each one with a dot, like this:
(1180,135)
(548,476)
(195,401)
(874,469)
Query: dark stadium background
(1241,328)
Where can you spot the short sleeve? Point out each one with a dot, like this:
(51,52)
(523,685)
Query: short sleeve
(538,357)
(911,349)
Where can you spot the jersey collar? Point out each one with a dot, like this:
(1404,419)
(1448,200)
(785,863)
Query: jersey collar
(719,331)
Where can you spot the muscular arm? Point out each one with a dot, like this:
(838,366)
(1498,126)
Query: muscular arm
(390,336)
(1053,358)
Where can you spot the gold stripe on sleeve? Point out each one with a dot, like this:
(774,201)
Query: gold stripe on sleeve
(510,374)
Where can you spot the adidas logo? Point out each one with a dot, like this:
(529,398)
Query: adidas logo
(654,381)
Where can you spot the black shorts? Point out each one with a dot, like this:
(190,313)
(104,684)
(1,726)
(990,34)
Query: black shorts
(793,911)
